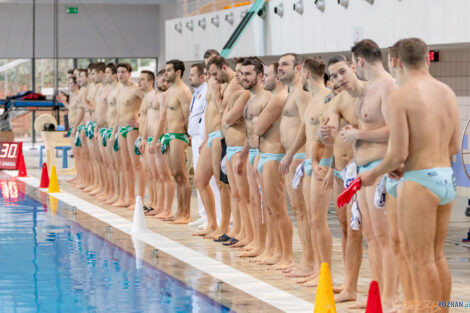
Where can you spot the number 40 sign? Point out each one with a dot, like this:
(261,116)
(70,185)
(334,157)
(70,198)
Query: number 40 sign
(9,152)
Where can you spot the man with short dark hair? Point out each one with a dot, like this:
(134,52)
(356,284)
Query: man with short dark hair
(197,80)
(125,132)
(290,66)
(370,141)
(173,143)
(423,119)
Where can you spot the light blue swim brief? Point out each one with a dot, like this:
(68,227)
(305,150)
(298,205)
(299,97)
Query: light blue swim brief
(265,157)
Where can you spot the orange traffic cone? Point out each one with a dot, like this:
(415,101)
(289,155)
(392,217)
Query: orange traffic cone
(44,177)
(374,305)
(21,167)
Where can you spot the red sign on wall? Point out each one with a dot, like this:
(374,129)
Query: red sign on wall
(9,152)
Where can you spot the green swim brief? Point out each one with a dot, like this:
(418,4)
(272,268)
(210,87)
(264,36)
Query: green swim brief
(123,131)
(166,138)
(137,145)
(78,141)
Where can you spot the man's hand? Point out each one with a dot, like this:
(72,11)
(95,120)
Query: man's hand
(367,178)
(349,134)
(319,172)
(190,141)
(325,131)
(398,173)
(143,143)
(284,165)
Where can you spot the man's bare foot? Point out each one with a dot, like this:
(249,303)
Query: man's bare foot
(96,192)
(389,307)
(338,289)
(131,207)
(310,283)
(239,244)
(308,278)
(281,265)
(170,218)
(120,204)
(205,232)
(345,296)
(301,272)
(358,305)
(162,216)
(271,260)
(152,213)
(182,220)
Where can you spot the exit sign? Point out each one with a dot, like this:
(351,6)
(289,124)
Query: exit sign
(71,10)
(433,55)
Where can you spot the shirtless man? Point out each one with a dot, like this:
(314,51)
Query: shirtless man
(94,82)
(234,131)
(174,142)
(196,125)
(397,235)
(261,250)
(103,111)
(145,83)
(209,163)
(345,106)
(423,119)
(119,189)
(99,116)
(157,161)
(319,160)
(125,130)
(351,238)
(79,130)
(370,143)
(73,112)
(278,252)
(290,74)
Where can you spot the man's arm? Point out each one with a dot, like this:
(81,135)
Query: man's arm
(269,115)
(397,151)
(235,114)
(185,101)
(329,129)
(351,134)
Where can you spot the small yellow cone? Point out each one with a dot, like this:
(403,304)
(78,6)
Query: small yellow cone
(53,182)
(324,300)
(54,204)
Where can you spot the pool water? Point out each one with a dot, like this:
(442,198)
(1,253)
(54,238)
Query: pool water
(51,264)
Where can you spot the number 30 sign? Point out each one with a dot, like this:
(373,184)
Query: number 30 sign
(9,152)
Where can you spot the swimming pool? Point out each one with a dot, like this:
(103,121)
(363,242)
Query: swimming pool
(51,264)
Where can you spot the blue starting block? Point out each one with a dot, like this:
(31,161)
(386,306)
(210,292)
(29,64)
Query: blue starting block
(64,155)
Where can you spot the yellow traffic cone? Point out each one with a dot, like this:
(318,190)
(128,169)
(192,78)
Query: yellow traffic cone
(53,182)
(324,300)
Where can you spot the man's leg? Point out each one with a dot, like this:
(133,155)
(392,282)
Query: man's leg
(177,159)
(137,168)
(126,168)
(154,185)
(202,176)
(299,208)
(379,221)
(216,152)
(259,225)
(401,251)
(164,174)
(273,184)
(243,188)
(425,225)
(237,230)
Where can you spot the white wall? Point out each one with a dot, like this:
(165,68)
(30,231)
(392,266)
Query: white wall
(98,30)
(335,29)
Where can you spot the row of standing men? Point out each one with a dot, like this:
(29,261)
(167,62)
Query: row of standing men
(258,132)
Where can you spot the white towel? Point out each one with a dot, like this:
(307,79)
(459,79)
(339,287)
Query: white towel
(379,196)
(349,173)
(356,216)
(223,166)
(299,173)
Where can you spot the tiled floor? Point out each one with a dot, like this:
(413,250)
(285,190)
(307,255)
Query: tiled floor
(458,256)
